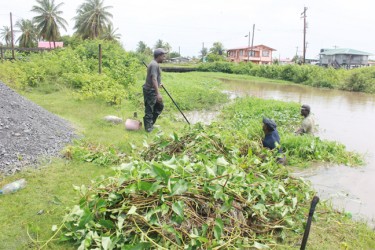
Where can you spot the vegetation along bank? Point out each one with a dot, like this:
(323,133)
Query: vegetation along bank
(199,186)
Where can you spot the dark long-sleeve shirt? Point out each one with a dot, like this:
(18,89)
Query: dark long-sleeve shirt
(270,139)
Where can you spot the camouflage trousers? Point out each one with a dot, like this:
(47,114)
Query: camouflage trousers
(153,108)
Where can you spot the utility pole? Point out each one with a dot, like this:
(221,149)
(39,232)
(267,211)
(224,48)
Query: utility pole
(11,32)
(297,51)
(252,40)
(304,34)
(248,47)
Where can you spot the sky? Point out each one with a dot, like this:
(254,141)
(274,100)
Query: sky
(191,24)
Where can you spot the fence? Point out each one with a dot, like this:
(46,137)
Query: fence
(3,51)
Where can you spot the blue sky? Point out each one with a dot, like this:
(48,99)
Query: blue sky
(186,25)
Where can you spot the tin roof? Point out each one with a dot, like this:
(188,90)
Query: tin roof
(329,52)
(255,48)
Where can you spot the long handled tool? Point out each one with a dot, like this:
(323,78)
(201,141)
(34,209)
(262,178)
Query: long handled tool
(172,99)
(314,201)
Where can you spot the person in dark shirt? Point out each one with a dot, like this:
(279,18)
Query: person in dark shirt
(151,93)
(272,137)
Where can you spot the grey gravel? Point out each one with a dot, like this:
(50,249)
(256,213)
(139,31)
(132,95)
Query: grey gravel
(28,133)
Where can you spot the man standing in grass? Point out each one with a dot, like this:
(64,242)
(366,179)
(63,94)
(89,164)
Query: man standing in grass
(308,124)
(151,93)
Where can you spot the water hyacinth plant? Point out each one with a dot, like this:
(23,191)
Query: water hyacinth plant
(210,187)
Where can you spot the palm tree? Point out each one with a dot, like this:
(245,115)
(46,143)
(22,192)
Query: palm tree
(29,33)
(6,34)
(92,19)
(110,34)
(49,20)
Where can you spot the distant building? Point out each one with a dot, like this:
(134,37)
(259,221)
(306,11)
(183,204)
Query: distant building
(285,61)
(179,59)
(259,54)
(50,45)
(348,58)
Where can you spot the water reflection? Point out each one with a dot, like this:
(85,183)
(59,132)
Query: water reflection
(342,116)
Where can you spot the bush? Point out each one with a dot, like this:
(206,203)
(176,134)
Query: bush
(362,80)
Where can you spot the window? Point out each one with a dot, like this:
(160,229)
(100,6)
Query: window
(252,53)
(241,52)
(265,53)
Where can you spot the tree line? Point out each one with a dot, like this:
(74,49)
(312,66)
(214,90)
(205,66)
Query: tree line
(93,20)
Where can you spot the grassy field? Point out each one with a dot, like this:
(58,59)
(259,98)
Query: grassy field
(27,216)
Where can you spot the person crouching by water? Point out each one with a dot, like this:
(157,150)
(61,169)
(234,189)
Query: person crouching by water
(272,138)
(151,93)
(308,123)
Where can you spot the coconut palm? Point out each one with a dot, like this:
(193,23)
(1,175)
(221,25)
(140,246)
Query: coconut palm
(29,33)
(92,19)
(49,19)
(110,34)
(6,35)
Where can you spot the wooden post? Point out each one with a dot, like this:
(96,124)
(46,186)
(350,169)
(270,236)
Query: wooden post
(11,32)
(100,58)
(1,53)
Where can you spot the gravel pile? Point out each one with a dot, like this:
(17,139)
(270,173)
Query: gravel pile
(28,132)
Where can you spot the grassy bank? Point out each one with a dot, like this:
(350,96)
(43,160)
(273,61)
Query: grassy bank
(28,216)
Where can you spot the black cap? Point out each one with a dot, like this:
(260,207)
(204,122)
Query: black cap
(305,107)
(269,123)
(159,51)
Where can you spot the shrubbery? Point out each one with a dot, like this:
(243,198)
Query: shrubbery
(76,67)
(362,79)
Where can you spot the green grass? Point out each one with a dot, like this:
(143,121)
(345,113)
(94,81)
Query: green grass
(50,186)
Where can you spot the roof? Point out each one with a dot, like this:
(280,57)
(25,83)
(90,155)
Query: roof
(48,45)
(254,47)
(330,52)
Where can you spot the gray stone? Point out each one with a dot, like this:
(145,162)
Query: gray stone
(113,119)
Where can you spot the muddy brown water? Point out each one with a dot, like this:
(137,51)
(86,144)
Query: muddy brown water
(342,116)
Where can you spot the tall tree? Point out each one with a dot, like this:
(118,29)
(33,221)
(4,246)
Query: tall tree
(6,35)
(49,19)
(29,33)
(142,48)
(92,19)
(160,44)
(110,34)
(217,48)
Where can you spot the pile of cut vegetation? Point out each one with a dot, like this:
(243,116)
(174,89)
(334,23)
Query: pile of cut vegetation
(209,187)
(28,132)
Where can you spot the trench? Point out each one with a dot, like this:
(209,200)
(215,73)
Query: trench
(346,117)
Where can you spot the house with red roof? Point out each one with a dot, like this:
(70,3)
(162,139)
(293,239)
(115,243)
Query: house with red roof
(259,54)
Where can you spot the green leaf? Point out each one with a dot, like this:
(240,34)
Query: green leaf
(101,203)
(218,228)
(159,172)
(106,243)
(86,218)
(294,201)
(178,208)
(180,187)
(120,221)
(260,207)
(139,246)
(132,210)
(258,245)
(144,186)
(222,162)
(107,224)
